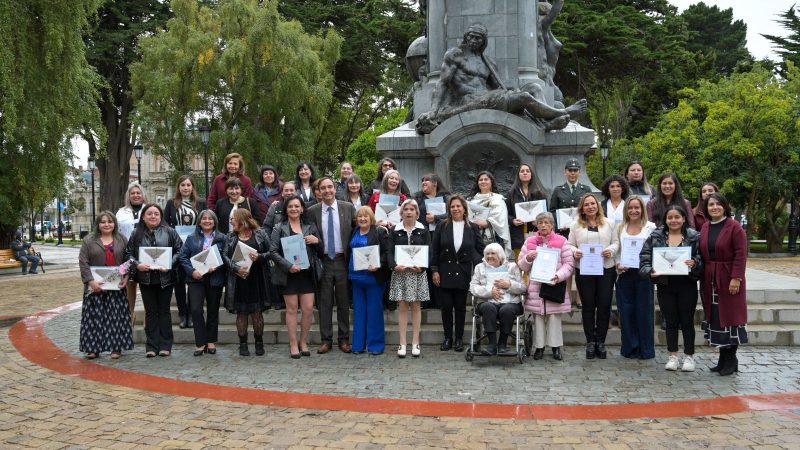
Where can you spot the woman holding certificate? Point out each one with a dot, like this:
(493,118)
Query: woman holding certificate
(245,255)
(369,259)
(456,248)
(201,263)
(408,257)
(494,227)
(595,245)
(294,275)
(723,244)
(671,258)
(545,299)
(105,319)
(153,251)
(523,190)
(634,294)
(389,195)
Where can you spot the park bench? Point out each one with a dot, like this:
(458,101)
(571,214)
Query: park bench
(7,260)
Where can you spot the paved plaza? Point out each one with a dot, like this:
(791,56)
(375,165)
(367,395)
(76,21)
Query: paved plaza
(55,399)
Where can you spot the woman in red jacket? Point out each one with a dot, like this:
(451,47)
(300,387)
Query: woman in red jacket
(723,246)
(234,167)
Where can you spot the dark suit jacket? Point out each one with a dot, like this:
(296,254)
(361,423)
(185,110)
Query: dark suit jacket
(455,268)
(347,218)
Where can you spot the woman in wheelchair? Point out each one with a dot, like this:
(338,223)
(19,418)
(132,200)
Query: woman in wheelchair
(500,284)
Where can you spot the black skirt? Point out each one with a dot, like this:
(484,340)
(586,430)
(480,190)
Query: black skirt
(105,322)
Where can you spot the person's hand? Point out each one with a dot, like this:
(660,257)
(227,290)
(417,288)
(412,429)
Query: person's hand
(96,286)
(211,269)
(436,278)
(554,281)
(163,269)
(242,272)
(294,269)
(253,256)
(653,274)
(690,263)
(372,268)
(196,275)
(497,294)
(517,222)
(429,217)
(734,286)
(481,223)
(606,253)
(416,269)
(502,283)
(531,255)
(311,239)
(577,253)
(399,268)
(142,267)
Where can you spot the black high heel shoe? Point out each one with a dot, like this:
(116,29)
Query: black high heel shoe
(211,350)
(200,352)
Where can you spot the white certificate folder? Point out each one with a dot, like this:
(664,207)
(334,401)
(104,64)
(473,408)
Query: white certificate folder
(411,255)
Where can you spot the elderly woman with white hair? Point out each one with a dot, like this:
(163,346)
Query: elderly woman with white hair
(547,301)
(500,283)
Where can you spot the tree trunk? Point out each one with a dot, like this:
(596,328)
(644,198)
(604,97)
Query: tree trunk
(114,167)
(773,231)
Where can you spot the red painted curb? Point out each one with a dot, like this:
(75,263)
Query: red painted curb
(29,338)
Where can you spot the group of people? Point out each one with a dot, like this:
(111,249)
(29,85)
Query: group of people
(488,257)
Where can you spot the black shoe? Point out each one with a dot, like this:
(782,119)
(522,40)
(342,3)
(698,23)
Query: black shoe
(601,350)
(720,361)
(447,344)
(490,350)
(211,350)
(305,353)
(459,346)
(278,307)
(189,323)
(731,363)
(295,355)
(200,352)
(502,348)
(182,324)
(538,353)
(259,348)
(243,351)
(557,354)
(590,349)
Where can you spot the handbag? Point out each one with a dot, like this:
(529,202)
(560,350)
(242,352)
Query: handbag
(553,293)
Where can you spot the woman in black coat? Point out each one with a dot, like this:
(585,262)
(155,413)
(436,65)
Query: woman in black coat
(524,189)
(457,247)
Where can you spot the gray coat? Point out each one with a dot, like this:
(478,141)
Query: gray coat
(93,253)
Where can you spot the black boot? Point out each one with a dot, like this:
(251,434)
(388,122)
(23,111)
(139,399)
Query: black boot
(590,349)
(243,351)
(259,344)
(183,322)
(721,361)
(491,346)
(538,354)
(601,350)
(458,345)
(447,344)
(557,354)
(731,362)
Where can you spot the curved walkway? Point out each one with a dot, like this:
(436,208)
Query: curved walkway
(574,389)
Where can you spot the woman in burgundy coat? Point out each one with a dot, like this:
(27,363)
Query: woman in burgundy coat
(723,246)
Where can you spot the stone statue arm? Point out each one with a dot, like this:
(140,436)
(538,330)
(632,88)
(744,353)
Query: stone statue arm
(494,81)
(451,63)
(548,20)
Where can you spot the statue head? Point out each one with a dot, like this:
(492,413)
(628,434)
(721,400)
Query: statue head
(544,8)
(471,36)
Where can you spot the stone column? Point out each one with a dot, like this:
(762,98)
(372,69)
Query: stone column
(528,22)
(437,39)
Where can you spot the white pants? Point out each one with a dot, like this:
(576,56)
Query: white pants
(547,331)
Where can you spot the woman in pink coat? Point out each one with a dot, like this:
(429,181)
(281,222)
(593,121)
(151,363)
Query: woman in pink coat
(547,313)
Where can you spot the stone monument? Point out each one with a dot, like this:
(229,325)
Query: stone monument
(484,97)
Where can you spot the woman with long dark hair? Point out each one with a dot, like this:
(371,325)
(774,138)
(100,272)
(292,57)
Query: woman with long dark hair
(677,294)
(304,183)
(233,168)
(233,201)
(668,193)
(183,211)
(155,283)
(524,189)
(637,180)
(105,319)
(354,192)
(495,228)
(267,190)
(205,288)
(699,211)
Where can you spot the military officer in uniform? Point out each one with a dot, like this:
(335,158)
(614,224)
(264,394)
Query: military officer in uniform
(568,194)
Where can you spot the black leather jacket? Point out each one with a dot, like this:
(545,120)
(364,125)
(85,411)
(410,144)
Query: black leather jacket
(659,239)
(162,236)
(279,265)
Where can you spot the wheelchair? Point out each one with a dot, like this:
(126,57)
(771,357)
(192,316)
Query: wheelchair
(523,333)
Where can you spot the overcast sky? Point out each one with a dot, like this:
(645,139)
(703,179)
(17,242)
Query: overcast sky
(760,17)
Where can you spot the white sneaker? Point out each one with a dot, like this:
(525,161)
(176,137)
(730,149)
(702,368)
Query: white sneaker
(688,364)
(401,351)
(672,363)
(415,351)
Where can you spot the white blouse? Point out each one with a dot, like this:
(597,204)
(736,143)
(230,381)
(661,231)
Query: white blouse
(458,234)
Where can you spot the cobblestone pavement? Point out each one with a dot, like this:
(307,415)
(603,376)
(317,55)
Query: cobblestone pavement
(789,265)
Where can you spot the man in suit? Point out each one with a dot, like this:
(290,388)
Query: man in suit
(568,194)
(335,221)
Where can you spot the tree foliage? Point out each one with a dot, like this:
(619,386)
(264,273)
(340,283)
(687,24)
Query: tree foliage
(788,47)
(714,32)
(363,153)
(264,85)
(46,93)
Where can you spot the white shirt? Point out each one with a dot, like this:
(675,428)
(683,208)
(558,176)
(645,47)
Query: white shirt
(615,215)
(458,234)
(337,234)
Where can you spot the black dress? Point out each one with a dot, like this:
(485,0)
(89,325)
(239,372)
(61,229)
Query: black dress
(301,282)
(250,293)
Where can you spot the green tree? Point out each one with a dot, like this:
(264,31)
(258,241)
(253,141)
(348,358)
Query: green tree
(47,90)
(714,32)
(363,153)
(788,47)
(263,84)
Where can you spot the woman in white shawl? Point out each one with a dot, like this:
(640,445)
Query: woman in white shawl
(495,227)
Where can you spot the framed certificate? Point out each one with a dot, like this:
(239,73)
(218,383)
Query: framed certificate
(388,212)
(184,231)
(527,211)
(477,212)
(565,217)
(671,260)
(592,259)
(411,255)
(498,273)
(436,206)
(363,257)
(294,250)
(206,260)
(544,265)
(388,199)
(629,253)
(108,276)
(156,257)
(241,256)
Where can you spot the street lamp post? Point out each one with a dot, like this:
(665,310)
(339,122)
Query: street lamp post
(90,165)
(138,151)
(793,226)
(205,136)
(604,155)
(58,224)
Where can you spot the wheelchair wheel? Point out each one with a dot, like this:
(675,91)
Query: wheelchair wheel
(521,355)
(469,356)
(528,337)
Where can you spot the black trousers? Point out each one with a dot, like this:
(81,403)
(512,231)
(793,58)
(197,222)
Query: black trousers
(453,300)
(180,297)
(205,328)
(157,318)
(334,288)
(678,301)
(507,312)
(596,292)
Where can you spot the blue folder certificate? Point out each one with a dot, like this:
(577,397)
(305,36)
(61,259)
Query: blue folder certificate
(294,250)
